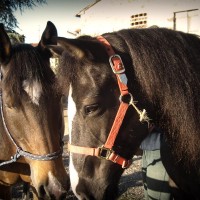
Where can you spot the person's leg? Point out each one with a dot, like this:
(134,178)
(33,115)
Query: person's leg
(156,183)
(144,174)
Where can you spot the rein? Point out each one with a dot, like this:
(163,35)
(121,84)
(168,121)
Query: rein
(106,151)
(19,151)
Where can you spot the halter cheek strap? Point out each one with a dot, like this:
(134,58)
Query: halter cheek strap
(106,151)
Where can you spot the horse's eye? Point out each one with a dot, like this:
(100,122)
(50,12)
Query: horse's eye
(91,108)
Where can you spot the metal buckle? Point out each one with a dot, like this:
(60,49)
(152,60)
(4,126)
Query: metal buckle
(121,68)
(104,153)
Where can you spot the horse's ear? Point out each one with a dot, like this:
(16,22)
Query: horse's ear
(55,50)
(48,38)
(72,46)
(5,45)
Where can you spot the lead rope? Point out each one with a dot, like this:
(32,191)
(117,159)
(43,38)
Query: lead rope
(16,156)
(19,151)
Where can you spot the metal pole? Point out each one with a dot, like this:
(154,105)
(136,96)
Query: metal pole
(174,20)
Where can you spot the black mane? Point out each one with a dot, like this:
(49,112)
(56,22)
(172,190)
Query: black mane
(167,66)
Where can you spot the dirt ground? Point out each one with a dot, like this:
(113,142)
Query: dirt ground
(130,186)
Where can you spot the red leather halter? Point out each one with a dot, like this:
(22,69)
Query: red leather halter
(106,151)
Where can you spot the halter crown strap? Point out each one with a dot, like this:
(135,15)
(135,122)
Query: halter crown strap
(119,70)
(116,65)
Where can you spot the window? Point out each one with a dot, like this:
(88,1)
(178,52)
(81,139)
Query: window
(139,20)
(187,21)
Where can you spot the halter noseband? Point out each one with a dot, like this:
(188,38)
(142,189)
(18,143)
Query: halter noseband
(106,151)
(19,151)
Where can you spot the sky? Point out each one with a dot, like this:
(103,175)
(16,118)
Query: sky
(32,22)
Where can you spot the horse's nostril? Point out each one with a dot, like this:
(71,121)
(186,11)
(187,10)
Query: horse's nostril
(63,196)
(41,191)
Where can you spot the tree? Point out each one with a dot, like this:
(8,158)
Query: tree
(7,7)
(15,37)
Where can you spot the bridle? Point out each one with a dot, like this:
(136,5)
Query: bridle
(106,151)
(19,151)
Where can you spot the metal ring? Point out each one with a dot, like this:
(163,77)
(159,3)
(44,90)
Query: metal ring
(131,98)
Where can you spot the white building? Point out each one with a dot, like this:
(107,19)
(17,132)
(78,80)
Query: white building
(112,15)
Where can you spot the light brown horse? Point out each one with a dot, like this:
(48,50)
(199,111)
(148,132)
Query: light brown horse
(31,119)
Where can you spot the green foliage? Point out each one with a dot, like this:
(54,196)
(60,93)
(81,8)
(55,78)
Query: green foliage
(16,37)
(7,7)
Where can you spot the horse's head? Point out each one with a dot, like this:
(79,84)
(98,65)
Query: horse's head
(31,122)
(95,114)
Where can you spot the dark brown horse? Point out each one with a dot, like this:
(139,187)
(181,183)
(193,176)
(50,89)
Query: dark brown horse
(31,122)
(163,72)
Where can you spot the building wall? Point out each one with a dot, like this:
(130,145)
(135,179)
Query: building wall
(113,15)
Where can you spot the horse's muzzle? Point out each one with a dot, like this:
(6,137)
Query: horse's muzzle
(53,189)
(51,192)
(50,183)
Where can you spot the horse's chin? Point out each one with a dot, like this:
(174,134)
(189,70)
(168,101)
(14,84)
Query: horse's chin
(110,192)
